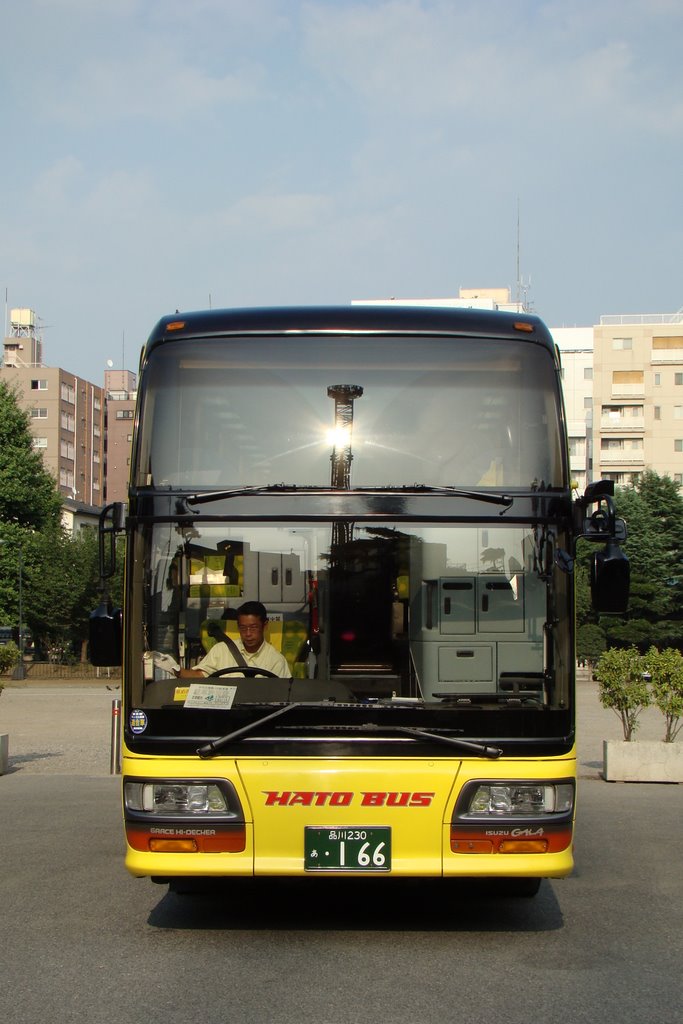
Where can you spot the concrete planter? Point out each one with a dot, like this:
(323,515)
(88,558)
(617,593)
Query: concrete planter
(4,752)
(642,761)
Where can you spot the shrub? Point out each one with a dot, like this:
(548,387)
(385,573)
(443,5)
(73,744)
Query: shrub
(9,656)
(665,669)
(622,686)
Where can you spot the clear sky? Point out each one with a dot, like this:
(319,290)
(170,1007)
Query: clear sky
(163,154)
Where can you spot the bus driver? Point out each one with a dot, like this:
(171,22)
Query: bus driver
(252,647)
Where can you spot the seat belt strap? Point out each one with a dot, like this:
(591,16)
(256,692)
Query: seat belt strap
(234,650)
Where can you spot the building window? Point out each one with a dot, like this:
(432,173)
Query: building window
(678,445)
(678,478)
(38,385)
(588,373)
(40,442)
(124,414)
(620,344)
(658,380)
(129,438)
(678,379)
(620,412)
(667,344)
(658,412)
(68,394)
(588,403)
(96,431)
(68,422)
(620,378)
(96,404)
(38,414)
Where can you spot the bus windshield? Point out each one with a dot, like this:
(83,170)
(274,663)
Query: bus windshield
(450,617)
(262,410)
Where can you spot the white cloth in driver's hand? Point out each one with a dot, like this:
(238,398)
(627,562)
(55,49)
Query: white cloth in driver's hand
(163,661)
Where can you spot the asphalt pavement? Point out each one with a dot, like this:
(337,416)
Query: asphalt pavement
(62,728)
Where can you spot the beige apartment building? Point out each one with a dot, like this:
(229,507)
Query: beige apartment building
(623,391)
(120,396)
(638,396)
(83,432)
(67,422)
(67,412)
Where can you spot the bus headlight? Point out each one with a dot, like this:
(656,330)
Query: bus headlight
(181,799)
(496,817)
(519,799)
(183,816)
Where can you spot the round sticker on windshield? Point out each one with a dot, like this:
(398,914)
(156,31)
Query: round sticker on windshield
(137,721)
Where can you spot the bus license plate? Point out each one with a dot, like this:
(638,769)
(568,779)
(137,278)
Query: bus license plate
(347,849)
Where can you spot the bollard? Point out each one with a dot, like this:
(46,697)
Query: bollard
(115,761)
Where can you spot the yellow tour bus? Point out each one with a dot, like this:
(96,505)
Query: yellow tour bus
(389,487)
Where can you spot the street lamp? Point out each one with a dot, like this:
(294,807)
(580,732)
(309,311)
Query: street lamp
(19,671)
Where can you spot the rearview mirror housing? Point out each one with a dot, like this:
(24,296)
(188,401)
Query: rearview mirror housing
(105,636)
(610,580)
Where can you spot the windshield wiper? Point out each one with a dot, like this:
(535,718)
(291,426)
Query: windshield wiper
(467,746)
(213,747)
(233,492)
(464,746)
(492,497)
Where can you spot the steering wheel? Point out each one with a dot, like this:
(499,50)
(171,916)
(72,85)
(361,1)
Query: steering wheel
(247,670)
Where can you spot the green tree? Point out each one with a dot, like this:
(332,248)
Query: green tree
(663,498)
(86,593)
(590,643)
(28,493)
(665,503)
(653,511)
(654,616)
(30,524)
(60,573)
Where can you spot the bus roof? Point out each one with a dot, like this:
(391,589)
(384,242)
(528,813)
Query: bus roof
(385,319)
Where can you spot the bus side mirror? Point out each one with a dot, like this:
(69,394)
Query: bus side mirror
(610,580)
(105,636)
